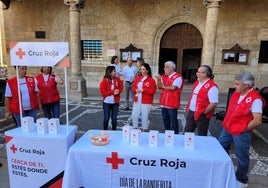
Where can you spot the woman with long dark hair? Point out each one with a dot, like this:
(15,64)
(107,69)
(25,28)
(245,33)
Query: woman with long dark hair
(143,88)
(110,88)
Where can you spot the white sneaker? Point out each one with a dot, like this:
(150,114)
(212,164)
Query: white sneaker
(240,184)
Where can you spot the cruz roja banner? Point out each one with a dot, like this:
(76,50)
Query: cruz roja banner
(39,54)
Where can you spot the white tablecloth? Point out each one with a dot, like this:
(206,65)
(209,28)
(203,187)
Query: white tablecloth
(36,160)
(120,164)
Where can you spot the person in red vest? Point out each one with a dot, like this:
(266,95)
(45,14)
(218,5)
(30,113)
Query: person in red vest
(244,113)
(29,96)
(111,86)
(143,88)
(49,95)
(202,102)
(171,84)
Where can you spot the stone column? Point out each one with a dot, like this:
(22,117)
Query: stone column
(77,84)
(210,31)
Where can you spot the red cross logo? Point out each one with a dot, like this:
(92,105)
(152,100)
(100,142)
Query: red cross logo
(13,148)
(20,53)
(114,160)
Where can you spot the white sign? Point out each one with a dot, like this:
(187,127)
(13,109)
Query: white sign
(39,54)
(37,160)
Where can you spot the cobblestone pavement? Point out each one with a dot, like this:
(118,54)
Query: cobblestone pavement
(88,115)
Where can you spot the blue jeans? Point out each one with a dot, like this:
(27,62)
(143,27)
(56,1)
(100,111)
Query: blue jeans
(170,121)
(108,110)
(51,110)
(32,113)
(241,146)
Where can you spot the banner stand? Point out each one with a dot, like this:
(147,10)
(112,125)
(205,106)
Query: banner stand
(42,54)
(18,85)
(66,98)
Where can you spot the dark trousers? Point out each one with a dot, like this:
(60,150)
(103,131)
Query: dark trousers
(129,93)
(32,113)
(170,120)
(201,124)
(110,110)
(51,110)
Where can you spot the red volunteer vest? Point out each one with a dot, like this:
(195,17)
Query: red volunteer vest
(14,100)
(48,91)
(202,100)
(239,115)
(170,98)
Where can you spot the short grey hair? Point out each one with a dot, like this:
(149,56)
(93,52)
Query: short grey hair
(171,63)
(246,78)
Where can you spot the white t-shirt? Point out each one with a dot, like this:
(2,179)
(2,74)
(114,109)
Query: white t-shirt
(110,99)
(213,95)
(25,98)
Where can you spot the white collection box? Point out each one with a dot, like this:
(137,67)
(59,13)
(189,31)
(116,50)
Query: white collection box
(42,125)
(126,132)
(169,138)
(27,124)
(54,125)
(153,138)
(135,137)
(189,140)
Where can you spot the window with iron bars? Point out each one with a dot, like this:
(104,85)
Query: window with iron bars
(91,49)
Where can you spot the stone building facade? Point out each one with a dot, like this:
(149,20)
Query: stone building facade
(190,32)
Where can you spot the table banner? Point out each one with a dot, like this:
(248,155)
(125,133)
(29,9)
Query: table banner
(120,164)
(37,160)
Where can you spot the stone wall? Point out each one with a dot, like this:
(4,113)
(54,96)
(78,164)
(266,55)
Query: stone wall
(119,22)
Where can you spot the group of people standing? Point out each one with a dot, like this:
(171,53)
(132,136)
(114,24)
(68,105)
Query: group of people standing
(244,112)
(139,84)
(37,94)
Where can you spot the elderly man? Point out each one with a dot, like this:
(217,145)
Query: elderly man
(171,86)
(244,113)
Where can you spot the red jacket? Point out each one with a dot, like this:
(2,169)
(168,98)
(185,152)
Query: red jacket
(170,98)
(105,88)
(48,91)
(202,100)
(14,100)
(148,89)
(239,115)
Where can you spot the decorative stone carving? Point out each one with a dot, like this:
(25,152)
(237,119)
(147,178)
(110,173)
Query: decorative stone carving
(77,3)
(208,3)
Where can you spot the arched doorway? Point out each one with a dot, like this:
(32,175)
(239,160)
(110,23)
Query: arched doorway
(181,43)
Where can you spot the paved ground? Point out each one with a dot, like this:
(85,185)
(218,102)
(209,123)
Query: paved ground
(88,115)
